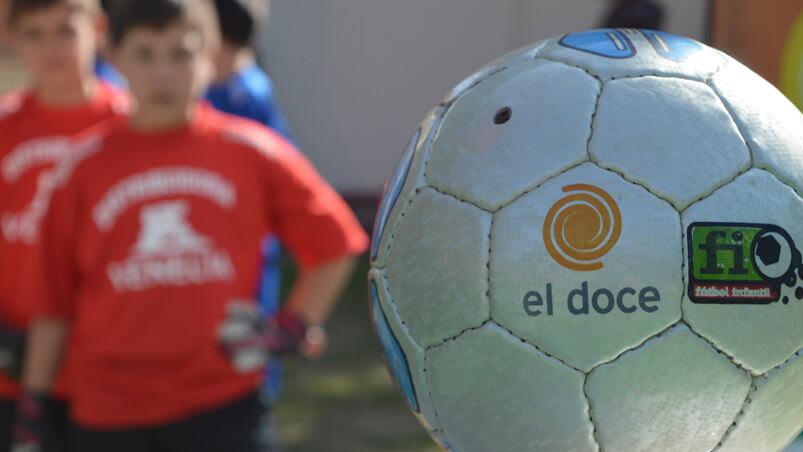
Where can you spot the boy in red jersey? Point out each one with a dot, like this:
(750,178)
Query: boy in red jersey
(56,41)
(153,239)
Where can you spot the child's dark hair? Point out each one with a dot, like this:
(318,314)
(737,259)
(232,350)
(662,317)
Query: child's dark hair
(106,5)
(17,8)
(125,15)
(239,20)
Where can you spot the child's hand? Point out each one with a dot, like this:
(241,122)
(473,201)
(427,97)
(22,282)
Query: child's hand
(248,339)
(285,333)
(241,336)
(315,343)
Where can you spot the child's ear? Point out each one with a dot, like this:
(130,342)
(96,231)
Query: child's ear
(212,57)
(211,73)
(101,26)
(111,55)
(110,52)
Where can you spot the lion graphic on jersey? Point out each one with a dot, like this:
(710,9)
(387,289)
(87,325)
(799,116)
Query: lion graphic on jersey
(170,252)
(166,231)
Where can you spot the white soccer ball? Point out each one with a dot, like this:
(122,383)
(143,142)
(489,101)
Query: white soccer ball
(594,243)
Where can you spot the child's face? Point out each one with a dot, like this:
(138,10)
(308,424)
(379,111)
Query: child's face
(167,70)
(57,44)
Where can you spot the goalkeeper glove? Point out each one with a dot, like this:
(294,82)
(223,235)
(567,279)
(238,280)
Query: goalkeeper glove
(12,349)
(249,340)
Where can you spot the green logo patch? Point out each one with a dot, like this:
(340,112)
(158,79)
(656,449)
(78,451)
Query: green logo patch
(741,263)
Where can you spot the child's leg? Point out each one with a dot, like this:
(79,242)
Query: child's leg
(241,426)
(116,440)
(6,421)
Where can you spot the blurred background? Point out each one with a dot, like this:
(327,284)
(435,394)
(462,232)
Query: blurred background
(354,78)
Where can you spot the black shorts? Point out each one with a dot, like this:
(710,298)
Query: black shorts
(241,426)
(6,421)
(57,426)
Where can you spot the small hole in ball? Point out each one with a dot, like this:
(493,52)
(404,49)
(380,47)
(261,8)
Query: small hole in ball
(503,115)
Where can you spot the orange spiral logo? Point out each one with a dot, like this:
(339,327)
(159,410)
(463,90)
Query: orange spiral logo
(582,227)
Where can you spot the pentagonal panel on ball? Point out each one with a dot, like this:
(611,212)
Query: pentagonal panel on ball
(493,392)
(626,52)
(774,416)
(586,266)
(673,136)
(512,131)
(742,295)
(437,267)
(771,124)
(675,393)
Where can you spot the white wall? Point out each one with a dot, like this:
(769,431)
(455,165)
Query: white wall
(356,76)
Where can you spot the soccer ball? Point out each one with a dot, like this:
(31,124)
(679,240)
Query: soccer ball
(594,243)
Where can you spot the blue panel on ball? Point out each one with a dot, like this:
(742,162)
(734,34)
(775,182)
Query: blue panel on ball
(394,355)
(391,193)
(672,47)
(607,42)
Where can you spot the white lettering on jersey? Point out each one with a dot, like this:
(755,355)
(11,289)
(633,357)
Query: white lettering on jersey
(170,253)
(161,182)
(24,226)
(33,153)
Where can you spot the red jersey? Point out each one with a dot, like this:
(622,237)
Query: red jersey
(151,237)
(33,137)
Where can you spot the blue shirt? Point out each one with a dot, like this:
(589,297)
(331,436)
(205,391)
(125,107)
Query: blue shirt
(250,94)
(108,73)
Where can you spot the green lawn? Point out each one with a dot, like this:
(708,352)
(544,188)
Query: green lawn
(346,402)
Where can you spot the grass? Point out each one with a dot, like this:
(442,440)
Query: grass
(346,402)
